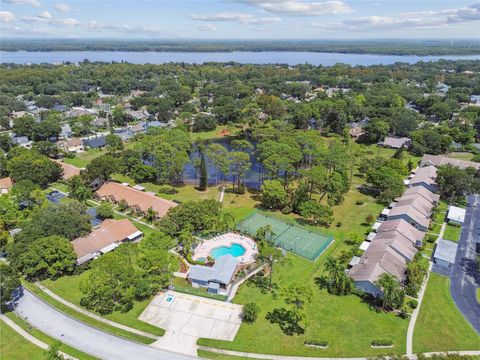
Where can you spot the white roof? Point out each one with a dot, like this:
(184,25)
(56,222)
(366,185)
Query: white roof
(355,260)
(108,248)
(386,211)
(364,246)
(134,235)
(371,236)
(456,214)
(446,251)
(376,225)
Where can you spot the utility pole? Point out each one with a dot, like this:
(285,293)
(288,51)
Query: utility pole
(270,261)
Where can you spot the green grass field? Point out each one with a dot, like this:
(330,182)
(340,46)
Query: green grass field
(452,232)
(216,356)
(14,347)
(440,325)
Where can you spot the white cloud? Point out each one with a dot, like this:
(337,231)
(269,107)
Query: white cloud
(45,15)
(97,26)
(205,27)
(35,3)
(50,21)
(300,8)
(242,18)
(7,17)
(62,7)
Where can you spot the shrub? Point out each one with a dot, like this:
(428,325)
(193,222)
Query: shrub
(381,343)
(105,211)
(359,202)
(339,224)
(167,189)
(369,219)
(413,303)
(431,238)
(316,343)
(250,312)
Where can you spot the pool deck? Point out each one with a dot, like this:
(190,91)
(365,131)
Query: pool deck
(251,251)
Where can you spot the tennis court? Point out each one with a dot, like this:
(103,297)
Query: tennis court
(300,241)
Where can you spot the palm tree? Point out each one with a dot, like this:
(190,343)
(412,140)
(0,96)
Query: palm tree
(150,215)
(340,283)
(81,193)
(393,294)
(265,233)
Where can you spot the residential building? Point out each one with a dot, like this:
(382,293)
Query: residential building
(419,203)
(66,131)
(404,229)
(444,256)
(137,200)
(456,215)
(410,214)
(439,160)
(95,143)
(22,141)
(107,237)
(74,145)
(217,278)
(396,142)
(68,170)
(425,177)
(420,191)
(5,185)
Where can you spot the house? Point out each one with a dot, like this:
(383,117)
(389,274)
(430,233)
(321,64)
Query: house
(410,214)
(419,203)
(217,278)
(356,132)
(5,185)
(22,141)
(95,143)
(396,142)
(420,191)
(68,170)
(66,131)
(100,122)
(444,256)
(74,145)
(60,108)
(439,160)
(138,200)
(425,177)
(401,227)
(124,134)
(107,237)
(378,259)
(456,215)
(139,128)
(138,114)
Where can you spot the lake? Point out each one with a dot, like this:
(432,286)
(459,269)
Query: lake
(244,57)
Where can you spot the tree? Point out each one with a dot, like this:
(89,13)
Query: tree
(78,189)
(52,353)
(114,143)
(102,167)
(250,312)
(385,182)
(392,292)
(46,171)
(274,195)
(265,233)
(203,173)
(317,213)
(403,121)
(298,295)
(430,141)
(105,210)
(239,166)
(218,157)
(454,183)
(204,123)
(24,126)
(375,130)
(47,257)
(9,281)
(338,281)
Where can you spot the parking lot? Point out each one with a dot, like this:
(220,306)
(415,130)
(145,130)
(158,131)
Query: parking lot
(187,318)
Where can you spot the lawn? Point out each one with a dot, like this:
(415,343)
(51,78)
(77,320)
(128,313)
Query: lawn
(440,325)
(213,134)
(68,287)
(82,159)
(345,322)
(14,347)
(460,155)
(46,339)
(452,232)
(217,356)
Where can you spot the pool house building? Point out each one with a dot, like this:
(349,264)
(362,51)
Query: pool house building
(217,278)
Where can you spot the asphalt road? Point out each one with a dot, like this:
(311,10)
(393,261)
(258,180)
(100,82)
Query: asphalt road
(465,277)
(83,337)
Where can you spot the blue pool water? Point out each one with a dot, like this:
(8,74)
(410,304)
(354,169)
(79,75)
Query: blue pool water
(235,250)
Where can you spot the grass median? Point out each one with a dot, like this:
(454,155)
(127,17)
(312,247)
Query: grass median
(34,352)
(84,318)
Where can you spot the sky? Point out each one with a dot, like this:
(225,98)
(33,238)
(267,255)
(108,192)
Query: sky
(241,19)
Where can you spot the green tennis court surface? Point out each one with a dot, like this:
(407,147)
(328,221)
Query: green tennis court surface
(308,244)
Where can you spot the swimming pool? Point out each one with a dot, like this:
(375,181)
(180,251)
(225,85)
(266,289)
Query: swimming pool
(235,250)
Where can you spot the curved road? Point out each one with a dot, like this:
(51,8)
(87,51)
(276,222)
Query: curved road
(465,277)
(84,337)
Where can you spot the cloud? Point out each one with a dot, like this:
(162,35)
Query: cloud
(241,18)
(45,15)
(300,8)
(62,7)
(7,17)
(205,27)
(35,3)
(97,26)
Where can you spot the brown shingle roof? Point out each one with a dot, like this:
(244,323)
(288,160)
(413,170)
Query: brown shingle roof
(419,203)
(6,183)
(109,232)
(68,170)
(438,160)
(411,212)
(402,227)
(423,192)
(396,143)
(135,198)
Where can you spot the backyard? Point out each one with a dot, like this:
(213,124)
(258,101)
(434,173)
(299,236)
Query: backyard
(440,326)
(452,232)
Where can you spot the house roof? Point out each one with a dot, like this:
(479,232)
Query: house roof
(411,212)
(109,232)
(395,142)
(95,142)
(438,160)
(68,170)
(419,203)
(136,198)
(221,272)
(397,242)
(423,192)
(6,183)
(446,251)
(456,214)
(402,227)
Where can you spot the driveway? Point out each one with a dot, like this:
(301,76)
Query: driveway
(465,277)
(187,318)
(83,337)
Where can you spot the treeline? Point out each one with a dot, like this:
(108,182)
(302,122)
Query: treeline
(385,47)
